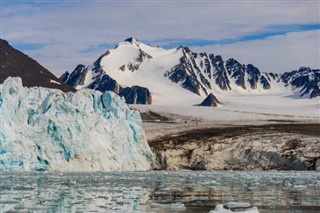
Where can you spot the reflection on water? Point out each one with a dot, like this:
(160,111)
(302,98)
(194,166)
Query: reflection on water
(161,191)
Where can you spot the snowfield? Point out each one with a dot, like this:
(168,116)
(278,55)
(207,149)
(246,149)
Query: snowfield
(240,106)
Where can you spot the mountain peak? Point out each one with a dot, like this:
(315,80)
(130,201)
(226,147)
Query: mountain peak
(3,42)
(186,48)
(129,41)
(308,69)
(132,40)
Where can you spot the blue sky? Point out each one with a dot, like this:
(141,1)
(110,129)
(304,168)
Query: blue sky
(269,31)
(63,33)
(173,42)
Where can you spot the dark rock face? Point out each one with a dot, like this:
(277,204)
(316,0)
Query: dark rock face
(315,92)
(265,83)
(180,74)
(253,75)
(220,73)
(211,101)
(199,72)
(177,74)
(188,73)
(16,64)
(136,95)
(104,83)
(64,77)
(76,77)
(236,71)
(274,76)
(200,165)
(305,79)
(101,81)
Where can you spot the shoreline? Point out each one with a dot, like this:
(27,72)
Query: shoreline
(252,145)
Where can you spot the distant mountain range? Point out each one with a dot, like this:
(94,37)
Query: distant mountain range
(143,74)
(138,72)
(17,64)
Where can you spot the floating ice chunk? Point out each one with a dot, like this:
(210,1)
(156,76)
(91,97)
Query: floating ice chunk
(300,187)
(238,205)
(220,209)
(318,169)
(171,206)
(252,210)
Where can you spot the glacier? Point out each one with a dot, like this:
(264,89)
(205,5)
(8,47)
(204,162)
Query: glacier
(45,129)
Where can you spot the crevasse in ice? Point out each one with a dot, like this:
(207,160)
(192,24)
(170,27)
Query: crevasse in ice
(48,130)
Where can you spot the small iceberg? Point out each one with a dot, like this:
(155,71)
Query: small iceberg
(171,206)
(238,205)
(220,209)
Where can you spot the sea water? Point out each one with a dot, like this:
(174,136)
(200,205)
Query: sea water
(160,191)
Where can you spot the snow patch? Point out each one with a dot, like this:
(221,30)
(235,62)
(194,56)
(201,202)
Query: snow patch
(54,82)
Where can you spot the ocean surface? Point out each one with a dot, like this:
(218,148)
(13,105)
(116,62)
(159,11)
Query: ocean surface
(160,191)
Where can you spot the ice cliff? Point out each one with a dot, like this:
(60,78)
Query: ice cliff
(48,130)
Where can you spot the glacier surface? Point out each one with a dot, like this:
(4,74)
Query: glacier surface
(48,130)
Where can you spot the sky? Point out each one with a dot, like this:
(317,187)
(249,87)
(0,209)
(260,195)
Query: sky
(274,35)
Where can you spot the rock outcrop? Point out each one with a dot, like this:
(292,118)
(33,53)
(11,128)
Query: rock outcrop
(136,95)
(76,77)
(210,101)
(305,79)
(280,147)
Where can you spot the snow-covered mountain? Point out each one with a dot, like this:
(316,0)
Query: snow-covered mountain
(48,130)
(146,72)
(304,79)
(17,64)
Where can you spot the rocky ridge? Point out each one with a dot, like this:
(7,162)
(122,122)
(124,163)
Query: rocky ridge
(15,63)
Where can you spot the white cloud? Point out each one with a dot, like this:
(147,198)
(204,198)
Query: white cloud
(274,54)
(67,28)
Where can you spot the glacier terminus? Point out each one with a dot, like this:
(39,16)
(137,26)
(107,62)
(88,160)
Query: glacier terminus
(45,129)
